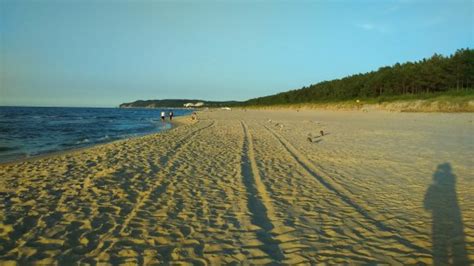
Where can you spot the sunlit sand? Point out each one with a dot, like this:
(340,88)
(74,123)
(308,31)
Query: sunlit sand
(249,187)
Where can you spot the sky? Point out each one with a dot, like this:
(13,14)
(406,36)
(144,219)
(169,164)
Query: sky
(103,53)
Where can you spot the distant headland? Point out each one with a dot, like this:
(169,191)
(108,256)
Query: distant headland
(176,103)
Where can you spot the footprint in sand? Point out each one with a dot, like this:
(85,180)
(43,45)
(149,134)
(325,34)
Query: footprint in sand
(186,230)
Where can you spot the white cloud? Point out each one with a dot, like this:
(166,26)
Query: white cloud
(372,27)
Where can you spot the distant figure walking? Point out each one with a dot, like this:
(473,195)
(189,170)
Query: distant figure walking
(171,115)
(163,115)
(449,246)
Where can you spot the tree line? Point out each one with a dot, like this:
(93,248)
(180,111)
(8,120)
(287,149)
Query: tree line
(436,74)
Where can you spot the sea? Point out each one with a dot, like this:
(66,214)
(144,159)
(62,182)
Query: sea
(31,131)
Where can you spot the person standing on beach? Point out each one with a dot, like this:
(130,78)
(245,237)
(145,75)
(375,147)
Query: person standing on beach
(163,116)
(171,115)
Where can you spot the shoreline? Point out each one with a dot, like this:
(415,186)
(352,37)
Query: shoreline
(176,122)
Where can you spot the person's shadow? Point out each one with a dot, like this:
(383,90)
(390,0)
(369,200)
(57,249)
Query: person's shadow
(449,247)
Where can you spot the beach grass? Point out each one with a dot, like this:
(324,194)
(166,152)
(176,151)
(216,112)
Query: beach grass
(450,101)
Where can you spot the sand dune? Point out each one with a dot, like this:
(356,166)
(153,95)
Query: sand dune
(248,187)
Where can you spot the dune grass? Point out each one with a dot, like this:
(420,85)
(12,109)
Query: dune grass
(448,101)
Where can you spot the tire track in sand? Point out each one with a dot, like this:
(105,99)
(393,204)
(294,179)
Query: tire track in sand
(164,158)
(169,160)
(258,201)
(160,187)
(341,192)
(87,182)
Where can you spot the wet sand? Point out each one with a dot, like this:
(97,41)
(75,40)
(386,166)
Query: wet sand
(252,187)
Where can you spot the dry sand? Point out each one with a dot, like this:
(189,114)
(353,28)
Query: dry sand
(249,187)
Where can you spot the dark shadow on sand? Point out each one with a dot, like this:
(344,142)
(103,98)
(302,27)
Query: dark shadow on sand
(449,247)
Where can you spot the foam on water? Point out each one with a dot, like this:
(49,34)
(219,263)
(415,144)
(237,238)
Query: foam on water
(28,131)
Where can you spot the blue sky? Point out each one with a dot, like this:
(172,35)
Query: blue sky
(103,53)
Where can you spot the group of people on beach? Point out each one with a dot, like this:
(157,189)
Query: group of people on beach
(163,115)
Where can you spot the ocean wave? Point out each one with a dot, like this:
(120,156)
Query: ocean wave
(82,141)
(106,137)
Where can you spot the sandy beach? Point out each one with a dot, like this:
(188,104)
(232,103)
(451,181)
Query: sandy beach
(252,187)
